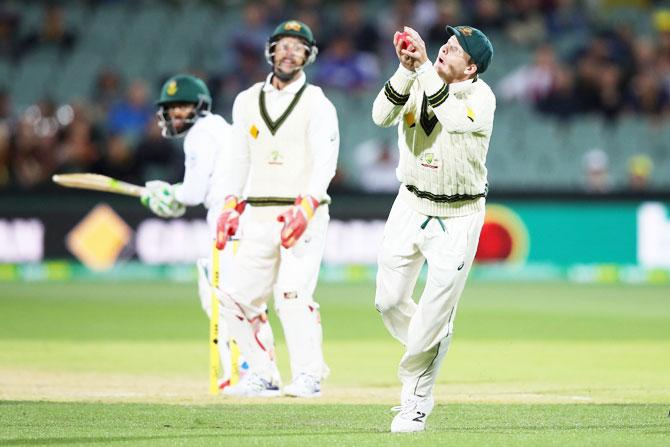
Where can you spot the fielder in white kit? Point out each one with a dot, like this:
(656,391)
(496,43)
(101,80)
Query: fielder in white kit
(184,111)
(285,145)
(444,113)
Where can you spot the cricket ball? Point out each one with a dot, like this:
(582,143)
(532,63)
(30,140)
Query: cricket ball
(402,37)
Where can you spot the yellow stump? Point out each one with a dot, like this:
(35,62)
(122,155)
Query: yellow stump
(214,359)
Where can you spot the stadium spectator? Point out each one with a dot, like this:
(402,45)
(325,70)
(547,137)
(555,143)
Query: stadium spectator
(526,25)
(395,17)
(80,145)
(611,92)
(596,166)
(10,47)
(107,89)
(533,82)
(6,131)
(250,36)
(52,34)
(363,33)
(561,101)
(131,115)
(343,67)
(118,159)
(33,155)
(647,97)
(567,18)
(377,160)
(487,14)
(448,11)
(640,168)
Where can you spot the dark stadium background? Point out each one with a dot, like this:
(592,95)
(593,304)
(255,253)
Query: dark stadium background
(581,139)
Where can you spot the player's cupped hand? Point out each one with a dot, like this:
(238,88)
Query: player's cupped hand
(416,50)
(400,43)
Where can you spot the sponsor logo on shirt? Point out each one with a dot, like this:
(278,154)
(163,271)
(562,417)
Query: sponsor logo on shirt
(276,158)
(428,160)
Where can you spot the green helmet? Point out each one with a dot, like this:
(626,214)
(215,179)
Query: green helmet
(182,89)
(292,28)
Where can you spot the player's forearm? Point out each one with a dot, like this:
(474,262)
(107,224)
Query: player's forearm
(229,178)
(324,139)
(236,163)
(192,190)
(390,101)
(192,193)
(322,174)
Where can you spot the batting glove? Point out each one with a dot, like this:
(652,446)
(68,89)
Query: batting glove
(160,198)
(296,219)
(228,221)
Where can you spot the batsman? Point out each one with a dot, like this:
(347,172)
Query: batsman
(184,111)
(444,114)
(284,144)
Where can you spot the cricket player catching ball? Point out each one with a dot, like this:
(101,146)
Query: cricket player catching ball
(444,113)
(184,111)
(285,144)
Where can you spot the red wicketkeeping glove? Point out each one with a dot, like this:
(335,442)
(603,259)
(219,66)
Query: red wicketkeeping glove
(296,218)
(228,221)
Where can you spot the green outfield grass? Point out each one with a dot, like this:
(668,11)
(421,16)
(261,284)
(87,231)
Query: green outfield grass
(531,364)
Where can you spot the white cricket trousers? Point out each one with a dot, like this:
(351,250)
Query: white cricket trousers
(263,268)
(448,245)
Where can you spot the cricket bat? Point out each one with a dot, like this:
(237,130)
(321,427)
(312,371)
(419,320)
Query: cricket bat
(98,182)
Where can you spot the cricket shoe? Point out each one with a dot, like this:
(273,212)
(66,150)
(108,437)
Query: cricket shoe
(303,386)
(252,385)
(412,414)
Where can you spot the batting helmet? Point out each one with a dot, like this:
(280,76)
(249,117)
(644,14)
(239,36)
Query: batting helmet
(182,89)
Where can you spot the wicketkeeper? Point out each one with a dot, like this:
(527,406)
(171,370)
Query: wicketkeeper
(285,144)
(444,113)
(184,111)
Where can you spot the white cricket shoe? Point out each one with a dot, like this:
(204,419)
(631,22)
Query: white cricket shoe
(303,386)
(412,414)
(252,385)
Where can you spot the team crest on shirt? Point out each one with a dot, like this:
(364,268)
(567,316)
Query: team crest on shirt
(276,158)
(428,160)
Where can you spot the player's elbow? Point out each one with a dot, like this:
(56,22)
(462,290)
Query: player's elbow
(191,198)
(381,119)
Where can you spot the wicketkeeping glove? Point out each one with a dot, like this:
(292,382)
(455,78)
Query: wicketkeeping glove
(160,198)
(228,221)
(296,219)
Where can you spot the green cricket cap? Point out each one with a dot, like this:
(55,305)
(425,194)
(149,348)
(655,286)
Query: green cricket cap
(294,28)
(475,43)
(184,88)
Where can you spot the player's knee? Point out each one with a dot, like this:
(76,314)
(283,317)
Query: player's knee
(386,299)
(290,297)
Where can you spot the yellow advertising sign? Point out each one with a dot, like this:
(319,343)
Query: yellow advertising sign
(99,238)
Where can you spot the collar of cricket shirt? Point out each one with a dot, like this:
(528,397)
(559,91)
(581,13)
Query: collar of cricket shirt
(293,88)
(462,86)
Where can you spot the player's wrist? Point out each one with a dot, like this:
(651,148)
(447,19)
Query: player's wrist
(307,205)
(423,66)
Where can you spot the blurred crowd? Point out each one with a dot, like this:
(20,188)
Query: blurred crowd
(574,64)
